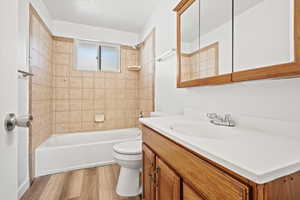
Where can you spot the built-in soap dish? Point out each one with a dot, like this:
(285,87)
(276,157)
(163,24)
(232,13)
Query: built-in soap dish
(99,117)
(134,68)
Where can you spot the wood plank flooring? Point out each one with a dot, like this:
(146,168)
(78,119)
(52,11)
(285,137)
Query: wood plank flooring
(86,184)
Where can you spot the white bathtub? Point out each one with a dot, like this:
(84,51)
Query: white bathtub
(65,152)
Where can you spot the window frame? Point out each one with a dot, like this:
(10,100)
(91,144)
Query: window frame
(99,58)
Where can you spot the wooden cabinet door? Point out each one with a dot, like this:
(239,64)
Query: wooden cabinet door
(167,182)
(148,174)
(190,194)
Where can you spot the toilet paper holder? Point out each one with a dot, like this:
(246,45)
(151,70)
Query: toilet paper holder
(11,121)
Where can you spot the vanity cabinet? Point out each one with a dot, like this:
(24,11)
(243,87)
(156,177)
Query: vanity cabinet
(173,172)
(207,180)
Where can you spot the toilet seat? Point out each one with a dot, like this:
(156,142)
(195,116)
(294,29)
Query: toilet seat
(127,157)
(128,148)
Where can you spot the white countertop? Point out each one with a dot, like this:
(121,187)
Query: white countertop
(256,155)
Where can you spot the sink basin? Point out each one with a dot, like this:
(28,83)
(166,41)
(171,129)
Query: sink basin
(204,130)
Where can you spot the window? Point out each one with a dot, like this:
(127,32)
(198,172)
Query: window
(93,56)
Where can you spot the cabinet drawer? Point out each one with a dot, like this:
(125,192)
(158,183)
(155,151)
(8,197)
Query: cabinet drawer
(208,180)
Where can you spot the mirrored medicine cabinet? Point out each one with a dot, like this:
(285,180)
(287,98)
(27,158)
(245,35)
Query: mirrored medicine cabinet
(220,42)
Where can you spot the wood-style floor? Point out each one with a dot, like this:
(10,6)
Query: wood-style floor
(86,184)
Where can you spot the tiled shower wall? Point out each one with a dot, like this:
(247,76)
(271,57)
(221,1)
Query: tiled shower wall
(65,100)
(41,83)
(146,76)
(40,87)
(79,95)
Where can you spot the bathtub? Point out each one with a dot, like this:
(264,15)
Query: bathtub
(65,152)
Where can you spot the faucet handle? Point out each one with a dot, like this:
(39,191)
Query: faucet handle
(141,114)
(212,115)
(228,117)
(229,120)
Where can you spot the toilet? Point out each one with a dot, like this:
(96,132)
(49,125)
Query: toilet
(129,156)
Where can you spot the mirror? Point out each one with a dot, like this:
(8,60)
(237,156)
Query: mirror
(206,40)
(262,43)
(264,33)
(190,42)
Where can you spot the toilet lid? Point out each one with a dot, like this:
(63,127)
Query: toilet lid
(129,148)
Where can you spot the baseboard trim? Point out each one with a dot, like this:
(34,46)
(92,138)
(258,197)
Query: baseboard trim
(23,188)
(85,166)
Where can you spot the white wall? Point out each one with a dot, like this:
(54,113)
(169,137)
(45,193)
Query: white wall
(41,8)
(276,99)
(85,32)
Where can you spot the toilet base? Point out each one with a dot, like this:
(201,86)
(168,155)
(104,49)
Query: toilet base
(129,182)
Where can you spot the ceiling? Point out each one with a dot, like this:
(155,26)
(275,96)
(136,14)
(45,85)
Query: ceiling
(130,15)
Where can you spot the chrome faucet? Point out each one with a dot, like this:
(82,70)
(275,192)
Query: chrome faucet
(221,121)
